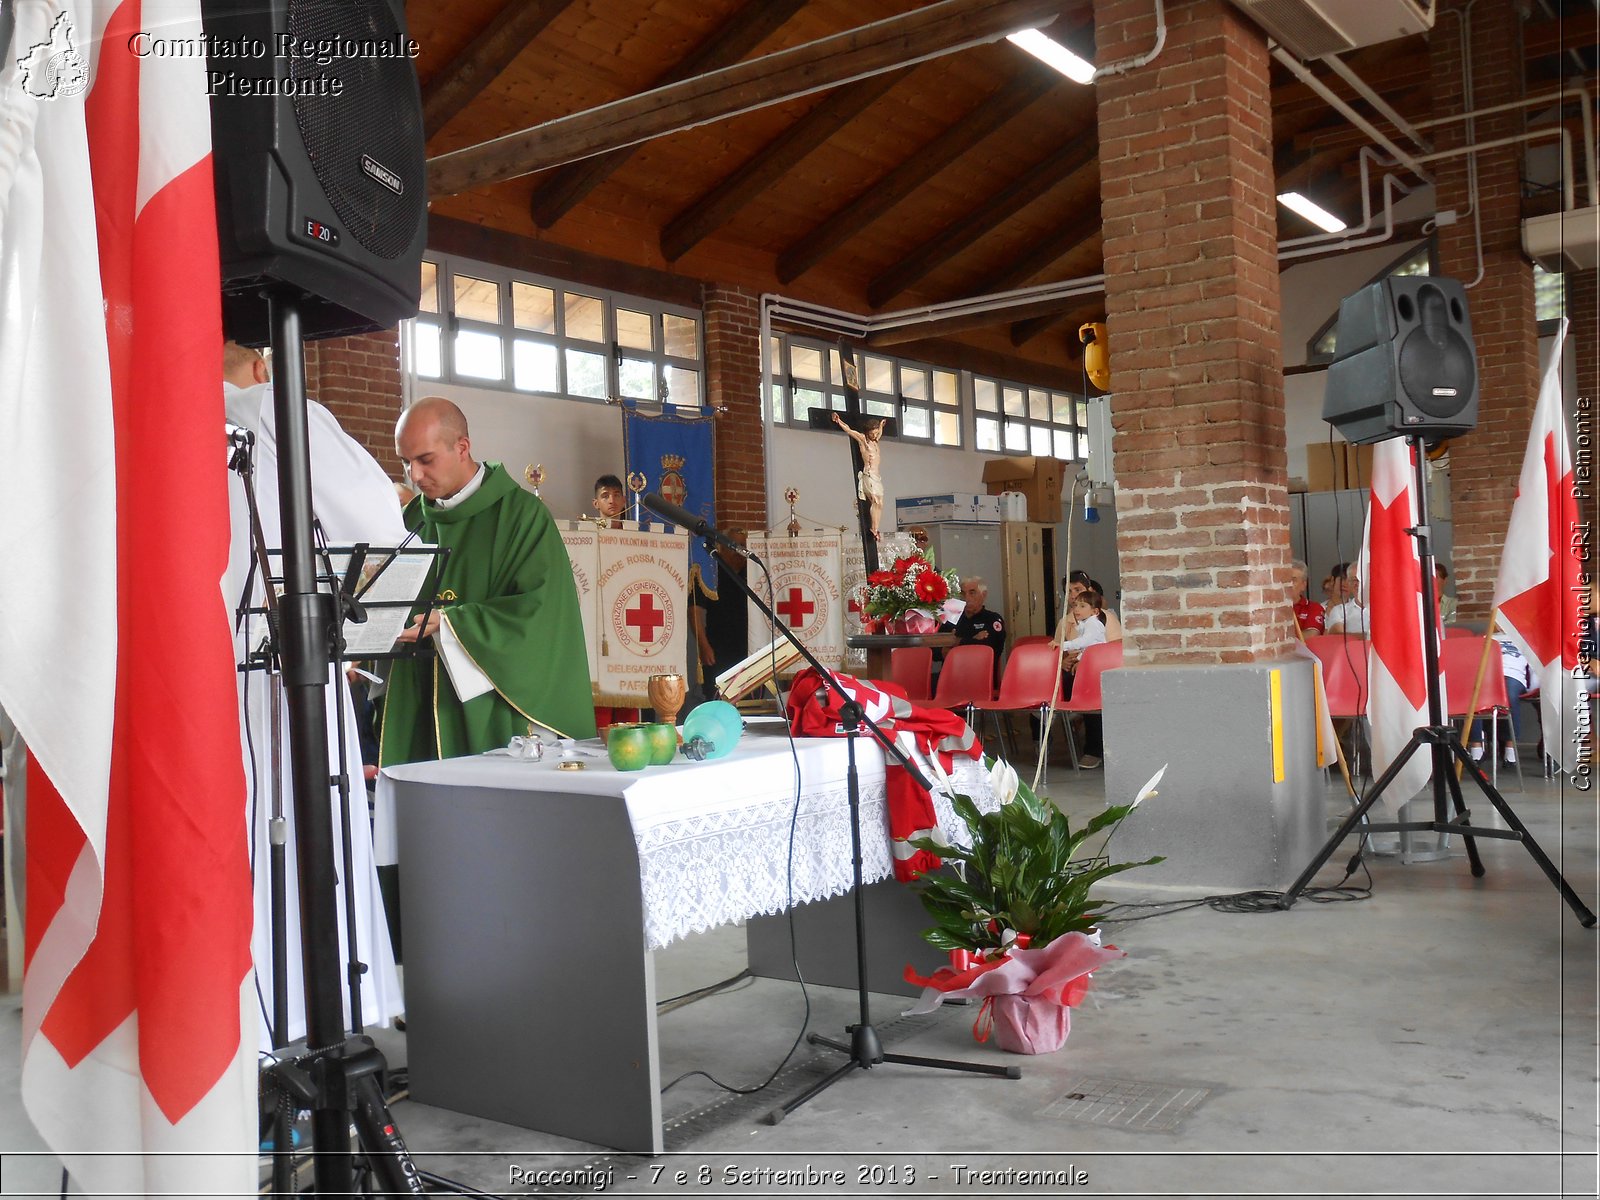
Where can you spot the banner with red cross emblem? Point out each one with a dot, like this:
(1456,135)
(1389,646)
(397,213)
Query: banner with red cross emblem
(582,541)
(806,593)
(641,612)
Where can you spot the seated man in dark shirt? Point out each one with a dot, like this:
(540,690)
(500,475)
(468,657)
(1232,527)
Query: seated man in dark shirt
(979,625)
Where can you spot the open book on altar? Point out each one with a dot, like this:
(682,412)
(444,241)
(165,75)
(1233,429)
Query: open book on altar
(749,673)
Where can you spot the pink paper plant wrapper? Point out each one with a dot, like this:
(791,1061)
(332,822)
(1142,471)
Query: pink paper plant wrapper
(1027,994)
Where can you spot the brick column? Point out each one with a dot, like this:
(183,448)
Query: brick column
(1188,213)
(358,378)
(733,383)
(1485,464)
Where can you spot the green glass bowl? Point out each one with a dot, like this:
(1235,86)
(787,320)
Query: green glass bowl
(628,747)
(663,742)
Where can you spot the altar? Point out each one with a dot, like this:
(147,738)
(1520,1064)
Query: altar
(533,897)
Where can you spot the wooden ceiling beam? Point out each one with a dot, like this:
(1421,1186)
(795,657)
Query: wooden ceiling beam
(451,88)
(718,205)
(985,118)
(741,33)
(1043,254)
(1026,330)
(1074,155)
(913,37)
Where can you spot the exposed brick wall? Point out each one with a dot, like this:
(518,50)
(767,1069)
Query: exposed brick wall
(358,378)
(1187,209)
(1485,464)
(733,382)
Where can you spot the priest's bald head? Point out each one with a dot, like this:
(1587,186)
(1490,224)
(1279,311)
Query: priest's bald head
(431,440)
(242,366)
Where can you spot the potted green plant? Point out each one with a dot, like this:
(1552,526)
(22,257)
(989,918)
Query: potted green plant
(1014,908)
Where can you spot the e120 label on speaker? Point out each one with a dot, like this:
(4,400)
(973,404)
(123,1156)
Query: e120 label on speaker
(318,232)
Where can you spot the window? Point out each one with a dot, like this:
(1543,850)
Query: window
(487,326)
(1012,418)
(809,376)
(1325,342)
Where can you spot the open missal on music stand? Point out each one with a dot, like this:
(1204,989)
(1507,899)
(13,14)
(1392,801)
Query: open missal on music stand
(749,673)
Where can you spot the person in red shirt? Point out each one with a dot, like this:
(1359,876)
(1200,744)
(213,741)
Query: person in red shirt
(1308,614)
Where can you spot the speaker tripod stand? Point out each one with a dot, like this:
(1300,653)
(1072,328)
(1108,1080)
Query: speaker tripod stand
(338,1079)
(1443,744)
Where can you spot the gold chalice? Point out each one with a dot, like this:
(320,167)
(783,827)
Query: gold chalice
(667,694)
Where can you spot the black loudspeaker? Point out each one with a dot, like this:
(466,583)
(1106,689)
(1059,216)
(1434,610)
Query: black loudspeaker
(1405,362)
(317,141)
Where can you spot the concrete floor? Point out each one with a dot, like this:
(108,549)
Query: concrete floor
(1437,1038)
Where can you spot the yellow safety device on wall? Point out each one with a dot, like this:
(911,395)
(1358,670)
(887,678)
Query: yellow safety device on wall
(1096,354)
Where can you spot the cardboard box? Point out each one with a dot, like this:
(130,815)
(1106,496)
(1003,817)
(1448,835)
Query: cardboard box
(954,506)
(1038,479)
(1337,466)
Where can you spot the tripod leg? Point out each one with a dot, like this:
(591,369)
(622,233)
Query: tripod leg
(1551,872)
(822,1085)
(1349,823)
(381,1143)
(1471,843)
(950,1064)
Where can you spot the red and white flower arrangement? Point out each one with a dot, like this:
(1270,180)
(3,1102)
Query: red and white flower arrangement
(911,587)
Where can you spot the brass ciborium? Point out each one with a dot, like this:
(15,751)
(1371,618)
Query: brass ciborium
(667,694)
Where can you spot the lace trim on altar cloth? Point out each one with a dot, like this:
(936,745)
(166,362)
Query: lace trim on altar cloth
(704,871)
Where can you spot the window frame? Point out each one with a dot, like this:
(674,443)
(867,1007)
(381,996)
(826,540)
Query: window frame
(446,326)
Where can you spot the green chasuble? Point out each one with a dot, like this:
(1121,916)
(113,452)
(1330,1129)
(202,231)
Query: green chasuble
(508,595)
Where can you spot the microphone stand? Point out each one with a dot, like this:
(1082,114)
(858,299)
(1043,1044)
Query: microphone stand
(865,1048)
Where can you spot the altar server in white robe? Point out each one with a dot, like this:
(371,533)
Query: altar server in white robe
(354,501)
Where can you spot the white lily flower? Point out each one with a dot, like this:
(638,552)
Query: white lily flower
(940,775)
(1003,781)
(1149,789)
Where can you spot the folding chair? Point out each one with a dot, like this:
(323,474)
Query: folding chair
(912,668)
(1086,694)
(1030,683)
(1459,659)
(966,678)
(1344,679)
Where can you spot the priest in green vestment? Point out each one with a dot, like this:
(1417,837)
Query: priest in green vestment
(507,633)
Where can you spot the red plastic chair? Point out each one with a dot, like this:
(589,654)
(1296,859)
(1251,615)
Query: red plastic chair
(1031,682)
(1459,659)
(1086,691)
(1344,673)
(966,678)
(912,668)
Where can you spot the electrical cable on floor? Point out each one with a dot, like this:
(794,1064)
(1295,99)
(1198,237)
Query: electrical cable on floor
(794,951)
(711,989)
(1259,900)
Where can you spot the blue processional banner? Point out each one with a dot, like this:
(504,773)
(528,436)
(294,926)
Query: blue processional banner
(673,451)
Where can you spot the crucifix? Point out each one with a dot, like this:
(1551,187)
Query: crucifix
(866,453)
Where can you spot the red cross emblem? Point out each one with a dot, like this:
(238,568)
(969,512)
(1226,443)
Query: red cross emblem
(795,608)
(646,617)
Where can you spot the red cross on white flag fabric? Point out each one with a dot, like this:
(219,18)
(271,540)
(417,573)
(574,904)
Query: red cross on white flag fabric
(116,662)
(1540,591)
(1391,572)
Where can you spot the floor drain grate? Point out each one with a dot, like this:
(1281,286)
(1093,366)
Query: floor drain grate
(1126,1103)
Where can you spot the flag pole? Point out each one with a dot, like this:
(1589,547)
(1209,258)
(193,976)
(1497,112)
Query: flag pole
(1338,746)
(1477,680)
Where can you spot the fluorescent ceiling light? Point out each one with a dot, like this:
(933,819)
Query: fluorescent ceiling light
(1051,52)
(1318,216)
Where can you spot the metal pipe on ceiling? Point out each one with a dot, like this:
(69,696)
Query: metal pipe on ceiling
(1304,75)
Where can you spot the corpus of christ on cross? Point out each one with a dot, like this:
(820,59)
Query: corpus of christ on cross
(867,434)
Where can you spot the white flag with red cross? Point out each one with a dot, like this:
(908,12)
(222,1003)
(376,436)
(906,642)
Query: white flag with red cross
(1541,590)
(116,660)
(1391,568)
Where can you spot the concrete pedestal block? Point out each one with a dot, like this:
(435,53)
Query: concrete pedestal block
(1243,804)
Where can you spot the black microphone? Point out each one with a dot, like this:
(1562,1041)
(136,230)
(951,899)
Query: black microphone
(675,514)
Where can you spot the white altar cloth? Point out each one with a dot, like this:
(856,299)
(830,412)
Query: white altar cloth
(714,837)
